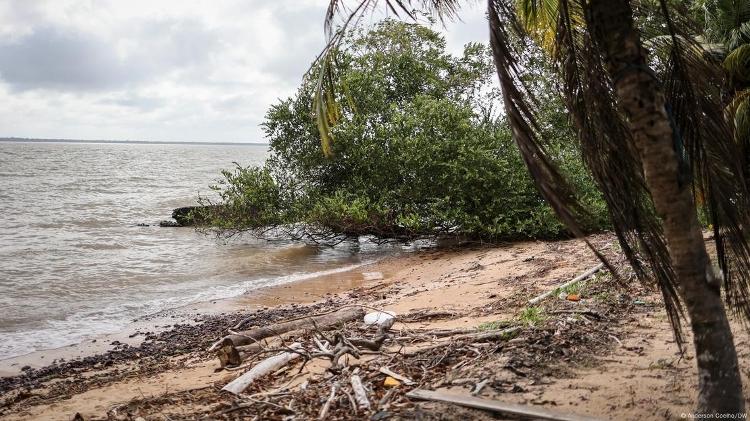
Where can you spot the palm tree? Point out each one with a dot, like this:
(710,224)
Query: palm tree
(652,132)
(727,36)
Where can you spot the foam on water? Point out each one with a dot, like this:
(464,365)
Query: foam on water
(81,326)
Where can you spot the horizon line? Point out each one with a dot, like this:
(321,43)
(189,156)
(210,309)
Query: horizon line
(144,142)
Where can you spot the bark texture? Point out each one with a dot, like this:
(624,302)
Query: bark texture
(641,98)
(320,322)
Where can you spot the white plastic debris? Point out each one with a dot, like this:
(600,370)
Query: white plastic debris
(372,276)
(380,318)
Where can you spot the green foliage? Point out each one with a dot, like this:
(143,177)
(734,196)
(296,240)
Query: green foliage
(495,325)
(532,316)
(250,198)
(417,149)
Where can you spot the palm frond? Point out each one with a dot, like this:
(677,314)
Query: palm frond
(326,107)
(738,112)
(608,150)
(714,162)
(737,63)
(539,18)
(728,21)
(520,108)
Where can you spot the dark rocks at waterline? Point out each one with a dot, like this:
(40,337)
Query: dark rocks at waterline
(192,215)
(169,224)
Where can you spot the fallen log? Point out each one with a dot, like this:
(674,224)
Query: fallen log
(323,321)
(573,281)
(524,411)
(263,368)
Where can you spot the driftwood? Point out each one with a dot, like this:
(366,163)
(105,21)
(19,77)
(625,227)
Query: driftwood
(501,334)
(524,411)
(263,368)
(373,345)
(420,315)
(442,333)
(324,410)
(320,322)
(575,280)
(405,380)
(360,394)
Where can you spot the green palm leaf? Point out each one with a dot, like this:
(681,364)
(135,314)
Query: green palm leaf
(737,63)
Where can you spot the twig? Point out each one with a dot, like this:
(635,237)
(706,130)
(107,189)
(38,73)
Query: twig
(327,406)
(386,398)
(479,386)
(577,279)
(407,381)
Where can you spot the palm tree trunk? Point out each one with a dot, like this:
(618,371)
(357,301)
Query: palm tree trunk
(641,98)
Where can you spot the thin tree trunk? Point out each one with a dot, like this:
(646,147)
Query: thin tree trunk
(641,98)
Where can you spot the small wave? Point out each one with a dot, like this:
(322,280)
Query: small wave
(101,246)
(115,317)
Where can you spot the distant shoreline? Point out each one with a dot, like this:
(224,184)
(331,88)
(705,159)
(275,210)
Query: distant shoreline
(126,142)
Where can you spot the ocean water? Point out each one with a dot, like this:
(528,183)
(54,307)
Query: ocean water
(74,263)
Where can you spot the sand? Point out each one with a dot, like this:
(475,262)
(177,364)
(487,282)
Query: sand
(626,366)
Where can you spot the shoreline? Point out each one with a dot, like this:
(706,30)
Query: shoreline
(299,291)
(566,356)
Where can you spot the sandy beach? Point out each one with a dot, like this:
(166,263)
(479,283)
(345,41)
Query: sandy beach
(604,349)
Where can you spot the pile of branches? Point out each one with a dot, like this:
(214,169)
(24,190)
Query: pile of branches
(365,369)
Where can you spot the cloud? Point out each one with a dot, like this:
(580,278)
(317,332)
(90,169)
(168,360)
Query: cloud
(135,101)
(160,70)
(297,48)
(59,58)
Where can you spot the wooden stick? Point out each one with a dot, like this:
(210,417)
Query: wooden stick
(263,368)
(577,279)
(327,406)
(502,334)
(525,411)
(360,394)
(405,380)
(419,315)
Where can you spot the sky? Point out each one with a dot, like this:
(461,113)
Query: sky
(162,70)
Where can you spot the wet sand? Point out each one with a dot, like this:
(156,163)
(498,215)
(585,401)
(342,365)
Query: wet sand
(620,363)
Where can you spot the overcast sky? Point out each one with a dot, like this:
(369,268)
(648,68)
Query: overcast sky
(160,70)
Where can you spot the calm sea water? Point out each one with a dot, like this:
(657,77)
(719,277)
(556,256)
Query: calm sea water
(74,263)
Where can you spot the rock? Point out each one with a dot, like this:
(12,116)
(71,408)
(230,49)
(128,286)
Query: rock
(192,215)
(169,224)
